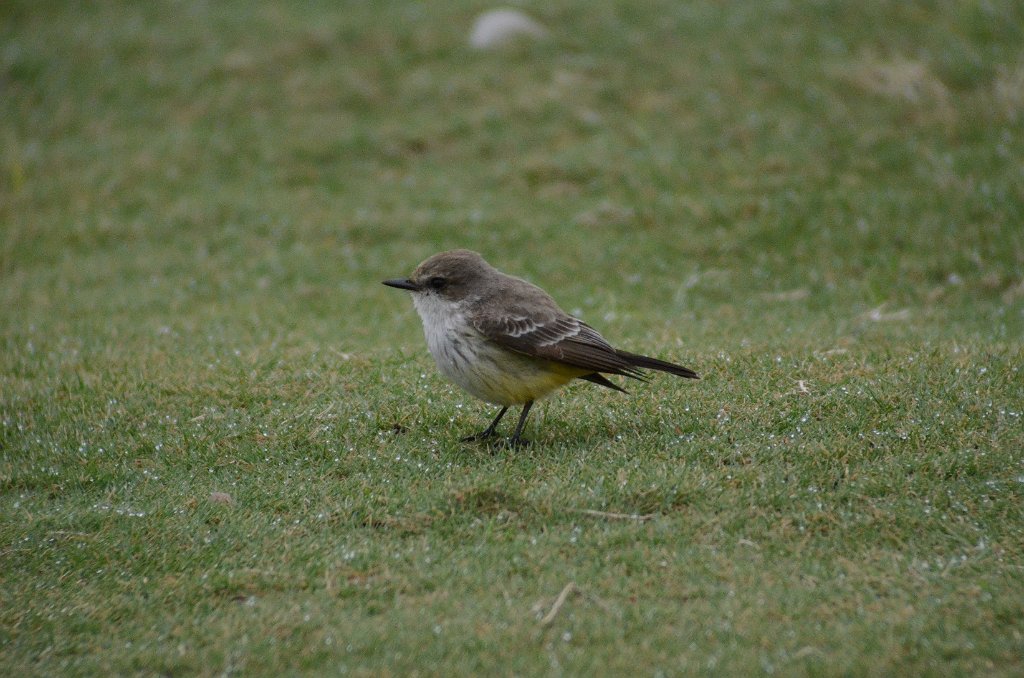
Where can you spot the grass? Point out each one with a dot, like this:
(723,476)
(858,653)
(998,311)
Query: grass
(818,206)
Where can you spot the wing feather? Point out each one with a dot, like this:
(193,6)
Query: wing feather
(532,324)
(558,337)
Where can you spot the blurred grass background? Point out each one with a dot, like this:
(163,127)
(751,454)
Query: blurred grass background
(817,205)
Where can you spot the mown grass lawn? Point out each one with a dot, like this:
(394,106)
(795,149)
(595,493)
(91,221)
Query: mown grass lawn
(224,449)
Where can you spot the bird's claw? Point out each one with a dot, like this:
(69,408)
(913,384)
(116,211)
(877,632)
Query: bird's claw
(483,435)
(512,442)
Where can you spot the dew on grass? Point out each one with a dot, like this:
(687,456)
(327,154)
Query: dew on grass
(120,510)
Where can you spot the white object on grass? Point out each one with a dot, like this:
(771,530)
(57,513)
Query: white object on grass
(499,27)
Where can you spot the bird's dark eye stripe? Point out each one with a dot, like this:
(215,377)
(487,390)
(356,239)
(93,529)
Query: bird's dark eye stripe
(437,282)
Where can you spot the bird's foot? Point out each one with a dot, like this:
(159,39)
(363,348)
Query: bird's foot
(483,435)
(517,442)
(489,431)
(513,442)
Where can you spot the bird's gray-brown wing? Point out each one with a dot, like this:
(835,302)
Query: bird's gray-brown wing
(557,336)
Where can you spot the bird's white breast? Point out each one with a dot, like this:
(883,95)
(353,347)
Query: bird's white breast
(442,322)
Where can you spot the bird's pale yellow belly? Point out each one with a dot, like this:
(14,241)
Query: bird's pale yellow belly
(503,377)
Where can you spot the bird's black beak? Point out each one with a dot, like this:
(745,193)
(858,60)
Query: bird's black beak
(402,284)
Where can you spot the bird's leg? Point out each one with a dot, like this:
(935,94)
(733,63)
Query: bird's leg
(489,431)
(517,440)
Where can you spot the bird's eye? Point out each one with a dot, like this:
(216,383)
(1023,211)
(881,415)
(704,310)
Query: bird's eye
(437,282)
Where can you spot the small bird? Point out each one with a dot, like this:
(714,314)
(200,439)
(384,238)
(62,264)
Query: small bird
(506,341)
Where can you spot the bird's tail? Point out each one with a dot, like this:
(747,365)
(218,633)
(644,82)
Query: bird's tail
(655,364)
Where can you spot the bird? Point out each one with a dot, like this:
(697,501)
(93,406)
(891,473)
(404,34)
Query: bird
(506,341)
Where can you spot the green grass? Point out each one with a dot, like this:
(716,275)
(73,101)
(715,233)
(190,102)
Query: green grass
(819,206)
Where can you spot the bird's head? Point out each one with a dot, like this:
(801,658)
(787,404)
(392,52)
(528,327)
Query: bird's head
(448,275)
